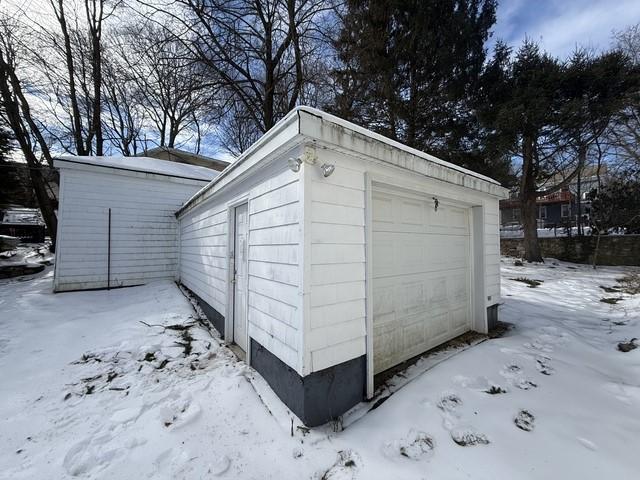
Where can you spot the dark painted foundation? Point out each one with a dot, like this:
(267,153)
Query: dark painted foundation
(319,397)
(492,317)
(216,319)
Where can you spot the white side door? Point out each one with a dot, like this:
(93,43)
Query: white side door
(239,278)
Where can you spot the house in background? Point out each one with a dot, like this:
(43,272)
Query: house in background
(558,209)
(182,156)
(327,254)
(554,210)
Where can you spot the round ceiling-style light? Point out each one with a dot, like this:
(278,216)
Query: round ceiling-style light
(294,164)
(327,169)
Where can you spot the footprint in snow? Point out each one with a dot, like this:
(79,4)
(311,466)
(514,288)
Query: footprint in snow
(449,402)
(542,364)
(415,446)
(524,420)
(525,384)
(467,436)
(513,368)
(515,375)
(344,468)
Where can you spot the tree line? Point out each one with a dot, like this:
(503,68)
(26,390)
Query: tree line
(96,77)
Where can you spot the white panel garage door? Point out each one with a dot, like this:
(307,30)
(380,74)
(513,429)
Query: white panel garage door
(421,275)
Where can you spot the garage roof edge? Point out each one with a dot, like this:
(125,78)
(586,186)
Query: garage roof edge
(295,116)
(151,166)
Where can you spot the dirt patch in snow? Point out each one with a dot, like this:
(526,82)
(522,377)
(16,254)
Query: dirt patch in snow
(626,347)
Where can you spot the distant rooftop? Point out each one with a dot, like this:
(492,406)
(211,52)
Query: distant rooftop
(182,156)
(147,165)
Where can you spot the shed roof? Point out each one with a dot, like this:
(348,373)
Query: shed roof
(306,123)
(183,156)
(145,165)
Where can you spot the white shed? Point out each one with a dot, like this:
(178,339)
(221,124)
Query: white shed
(116,222)
(328,254)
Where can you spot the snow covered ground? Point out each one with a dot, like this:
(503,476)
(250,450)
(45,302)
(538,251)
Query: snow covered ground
(92,388)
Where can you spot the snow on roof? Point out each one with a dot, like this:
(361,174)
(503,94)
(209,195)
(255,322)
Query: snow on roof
(147,165)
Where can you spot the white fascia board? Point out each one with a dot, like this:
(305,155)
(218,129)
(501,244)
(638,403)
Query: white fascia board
(283,136)
(333,132)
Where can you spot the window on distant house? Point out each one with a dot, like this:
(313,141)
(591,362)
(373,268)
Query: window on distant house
(565,210)
(516,214)
(542,212)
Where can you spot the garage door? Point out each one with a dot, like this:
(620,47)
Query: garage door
(421,275)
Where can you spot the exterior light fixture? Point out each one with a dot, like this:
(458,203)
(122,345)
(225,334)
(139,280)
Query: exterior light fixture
(294,164)
(327,169)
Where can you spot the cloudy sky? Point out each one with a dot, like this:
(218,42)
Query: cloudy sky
(559,24)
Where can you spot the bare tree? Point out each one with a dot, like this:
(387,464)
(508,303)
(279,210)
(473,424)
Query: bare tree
(170,84)
(259,52)
(69,56)
(124,110)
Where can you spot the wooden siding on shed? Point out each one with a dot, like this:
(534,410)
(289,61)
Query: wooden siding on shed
(275,235)
(143,227)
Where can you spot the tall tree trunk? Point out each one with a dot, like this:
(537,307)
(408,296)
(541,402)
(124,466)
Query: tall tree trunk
(44,201)
(94,17)
(528,197)
(73,97)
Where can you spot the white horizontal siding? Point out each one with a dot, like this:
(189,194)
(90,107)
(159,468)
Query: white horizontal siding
(492,251)
(143,227)
(275,235)
(336,316)
(336,278)
(203,254)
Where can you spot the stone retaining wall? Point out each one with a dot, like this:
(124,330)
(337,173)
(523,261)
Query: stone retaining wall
(613,250)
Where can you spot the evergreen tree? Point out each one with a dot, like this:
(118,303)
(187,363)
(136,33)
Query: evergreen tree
(521,101)
(410,69)
(548,115)
(15,187)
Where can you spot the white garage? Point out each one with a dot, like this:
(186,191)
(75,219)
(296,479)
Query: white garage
(328,254)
